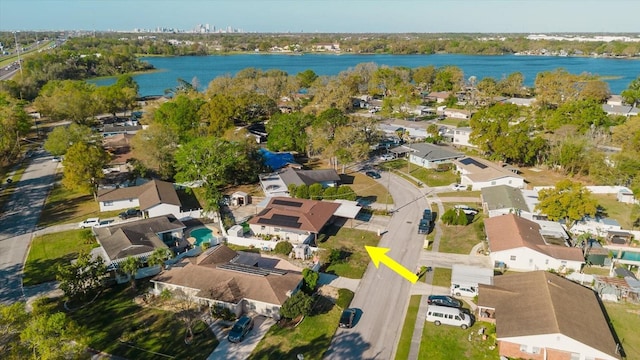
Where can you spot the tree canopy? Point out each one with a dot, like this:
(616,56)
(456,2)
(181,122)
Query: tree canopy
(83,165)
(569,201)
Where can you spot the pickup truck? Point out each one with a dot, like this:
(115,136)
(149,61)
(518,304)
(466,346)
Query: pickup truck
(129,213)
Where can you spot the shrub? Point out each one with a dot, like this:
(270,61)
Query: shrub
(344,298)
(449,217)
(283,247)
(315,192)
(310,280)
(335,256)
(330,193)
(347,193)
(298,304)
(302,192)
(292,190)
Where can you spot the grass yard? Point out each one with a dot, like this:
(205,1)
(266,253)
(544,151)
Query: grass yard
(350,242)
(447,342)
(615,209)
(625,318)
(50,250)
(404,345)
(543,177)
(115,317)
(66,206)
(311,338)
(367,188)
(465,194)
(432,177)
(461,239)
(441,277)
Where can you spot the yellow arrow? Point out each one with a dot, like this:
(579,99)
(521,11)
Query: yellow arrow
(379,255)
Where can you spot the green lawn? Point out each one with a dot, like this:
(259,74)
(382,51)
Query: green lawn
(615,209)
(351,242)
(367,188)
(66,206)
(404,345)
(626,322)
(115,316)
(50,250)
(311,338)
(441,277)
(447,342)
(459,239)
(432,177)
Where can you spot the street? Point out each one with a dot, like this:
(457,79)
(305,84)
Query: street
(383,295)
(18,219)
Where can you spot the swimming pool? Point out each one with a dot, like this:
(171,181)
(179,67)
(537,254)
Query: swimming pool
(628,255)
(203,235)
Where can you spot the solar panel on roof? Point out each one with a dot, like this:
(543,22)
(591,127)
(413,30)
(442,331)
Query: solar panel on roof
(281,220)
(287,203)
(470,161)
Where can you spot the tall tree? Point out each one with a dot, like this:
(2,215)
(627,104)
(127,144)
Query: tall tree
(83,278)
(68,100)
(63,137)
(181,115)
(53,336)
(306,78)
(14,123)
(631,94)
(448,78)
(130,267)
(12,321)
(287,132)
(155,147)
(569,201)
(83,165)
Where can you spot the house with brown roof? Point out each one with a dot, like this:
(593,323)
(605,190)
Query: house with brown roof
(540,315)
(295,220)
(480,173)
(154,198)
(522,245)
(239,281)
(138,238)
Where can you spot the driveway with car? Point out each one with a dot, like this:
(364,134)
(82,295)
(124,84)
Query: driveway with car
(241,350)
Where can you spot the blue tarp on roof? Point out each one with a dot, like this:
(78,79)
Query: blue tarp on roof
(276,160)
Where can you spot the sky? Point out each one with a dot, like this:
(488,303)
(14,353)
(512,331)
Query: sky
(333,16)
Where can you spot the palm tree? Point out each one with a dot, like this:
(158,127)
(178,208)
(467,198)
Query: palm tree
(130,266)
(159,256)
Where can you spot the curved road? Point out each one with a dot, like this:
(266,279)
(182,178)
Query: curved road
(382,297)
(17,221)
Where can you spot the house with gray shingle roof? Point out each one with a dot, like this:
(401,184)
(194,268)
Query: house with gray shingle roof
(138,238)
(428,155)
(503,199)
(624,110)
(277,183)
(540,315)
(154,198)
(238,281)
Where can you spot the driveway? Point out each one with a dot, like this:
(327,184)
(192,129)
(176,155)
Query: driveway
(18,219)
(239,351)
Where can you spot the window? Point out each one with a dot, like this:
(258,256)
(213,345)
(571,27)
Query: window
(262,227)
(575,356)
(512,258)
(563,262)
(493,183)
(535,350)
(524,348)
(108,203)
(546,261)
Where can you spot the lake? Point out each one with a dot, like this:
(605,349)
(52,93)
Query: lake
(618,72)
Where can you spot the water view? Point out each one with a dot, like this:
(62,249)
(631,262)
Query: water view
(618,73)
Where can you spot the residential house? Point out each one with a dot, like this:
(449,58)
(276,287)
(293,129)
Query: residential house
(438,96)
(540,315)
(154,198)
(239,281)
(295,220)
(522,245)
(615,100)
(597,226)
(139,239)
(461,137)
(504,199)
(277,183)
(428,155)
(111,130)
(119,147)
(520,101)
(458,113)
(623,110)
(479,173)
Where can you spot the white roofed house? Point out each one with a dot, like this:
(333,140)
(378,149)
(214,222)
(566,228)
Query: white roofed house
(461,137)
(479,173)
(623,110)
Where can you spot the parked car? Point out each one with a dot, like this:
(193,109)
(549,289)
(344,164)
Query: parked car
(373,174)
(449,316)
(444,300)
(90,222)
(56,159)
(468,291)
(427,214)
(240,329)
(129,213)
(347,318)
(458,187)
(424,226)
(387,157)
(466,209)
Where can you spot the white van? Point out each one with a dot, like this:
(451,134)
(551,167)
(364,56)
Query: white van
(448,315)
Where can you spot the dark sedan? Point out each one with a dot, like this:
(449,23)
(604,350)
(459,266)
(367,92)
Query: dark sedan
(373,174)
(444,300)
(346,320)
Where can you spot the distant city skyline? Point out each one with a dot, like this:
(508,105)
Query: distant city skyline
(326,16)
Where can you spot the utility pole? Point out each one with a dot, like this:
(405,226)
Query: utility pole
(15,37)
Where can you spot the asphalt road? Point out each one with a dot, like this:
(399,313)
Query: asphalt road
(383,295)
(18,219)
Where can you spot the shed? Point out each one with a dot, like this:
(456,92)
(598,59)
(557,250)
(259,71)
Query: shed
(595,254)
(470,276)
(240,198)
